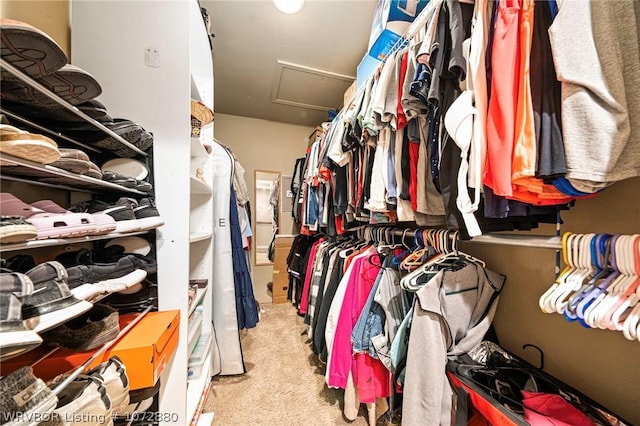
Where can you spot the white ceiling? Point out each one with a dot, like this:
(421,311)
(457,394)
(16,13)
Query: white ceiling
(288,68)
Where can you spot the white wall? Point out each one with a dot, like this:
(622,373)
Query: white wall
(263,145)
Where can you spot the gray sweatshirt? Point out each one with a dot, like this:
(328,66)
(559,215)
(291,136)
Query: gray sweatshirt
(451,314)
(596,51)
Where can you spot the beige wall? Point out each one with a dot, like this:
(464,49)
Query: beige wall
(600,363)
(50,16)
(263,145)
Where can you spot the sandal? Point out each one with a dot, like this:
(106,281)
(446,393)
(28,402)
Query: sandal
(47,224)
(103,223)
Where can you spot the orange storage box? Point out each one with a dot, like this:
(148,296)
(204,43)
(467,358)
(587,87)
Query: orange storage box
(145,351)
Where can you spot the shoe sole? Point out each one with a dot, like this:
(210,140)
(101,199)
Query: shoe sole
(30,50)
(31,147)
(70,83)
(17,233)
(72,165)
(52,319)
(125,226)
(150,222)
(87,292)
(15,343)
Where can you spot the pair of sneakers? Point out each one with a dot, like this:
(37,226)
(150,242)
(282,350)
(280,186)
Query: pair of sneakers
(32,303)
(92,398)
(130,215)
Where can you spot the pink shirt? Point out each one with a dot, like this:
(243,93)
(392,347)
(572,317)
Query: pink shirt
(304,302)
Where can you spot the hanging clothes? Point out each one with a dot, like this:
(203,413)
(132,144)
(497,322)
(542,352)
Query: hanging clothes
(225,310)
(452,313)
(246,307)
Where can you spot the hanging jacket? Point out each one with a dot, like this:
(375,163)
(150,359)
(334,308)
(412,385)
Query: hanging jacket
(452,313)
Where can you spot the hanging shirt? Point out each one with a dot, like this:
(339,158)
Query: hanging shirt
(597,57)
(501,119)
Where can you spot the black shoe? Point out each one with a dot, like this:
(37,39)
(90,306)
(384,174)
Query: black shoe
(93,273)
(16,337)
(51,302)
(122,212)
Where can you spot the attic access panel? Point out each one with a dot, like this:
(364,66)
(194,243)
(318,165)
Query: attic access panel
(306,87)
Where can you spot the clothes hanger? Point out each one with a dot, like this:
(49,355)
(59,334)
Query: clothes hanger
(630,297)
(570,245)
(586,308)
(622,293)
(600,249)
(542,301)
(575,281)
(616,288)
(414,259)
(397,260)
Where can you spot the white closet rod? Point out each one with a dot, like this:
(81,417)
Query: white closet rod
(534,241)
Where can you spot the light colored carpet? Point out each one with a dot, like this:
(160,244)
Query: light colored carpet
(284,383)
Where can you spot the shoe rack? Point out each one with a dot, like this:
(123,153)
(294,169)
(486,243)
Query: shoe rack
(71,187)
(152,71)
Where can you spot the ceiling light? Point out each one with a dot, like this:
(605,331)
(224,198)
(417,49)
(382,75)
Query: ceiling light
(289,6)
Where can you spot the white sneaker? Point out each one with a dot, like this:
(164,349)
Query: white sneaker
(114,378)
(84,402)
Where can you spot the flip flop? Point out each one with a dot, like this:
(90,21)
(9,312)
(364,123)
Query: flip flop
(71,83)
(30,146)
(30,50)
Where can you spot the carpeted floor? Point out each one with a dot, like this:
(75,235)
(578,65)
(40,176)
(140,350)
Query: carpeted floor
(284,384)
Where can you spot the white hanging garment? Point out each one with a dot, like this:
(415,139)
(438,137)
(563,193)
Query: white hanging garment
(225,320)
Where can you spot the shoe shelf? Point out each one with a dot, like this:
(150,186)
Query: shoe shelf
(200,236)
(194,329)
(75,182)
(197,392)
(197,149)
(200,187)
(40,88)
(50,242)
(197,301)
(205,419)
(48,132)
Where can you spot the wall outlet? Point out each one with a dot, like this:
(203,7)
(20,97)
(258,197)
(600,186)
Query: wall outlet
(152,57)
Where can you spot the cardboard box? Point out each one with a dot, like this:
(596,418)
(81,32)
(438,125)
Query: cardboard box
(145,350)
(280,269)
(350,93)
(312,137)
(366,68)
(390,20)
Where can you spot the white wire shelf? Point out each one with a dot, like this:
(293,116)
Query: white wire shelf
(40,88)
(76,182)
(51,242)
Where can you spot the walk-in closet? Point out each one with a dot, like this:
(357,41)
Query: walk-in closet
(308,212)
